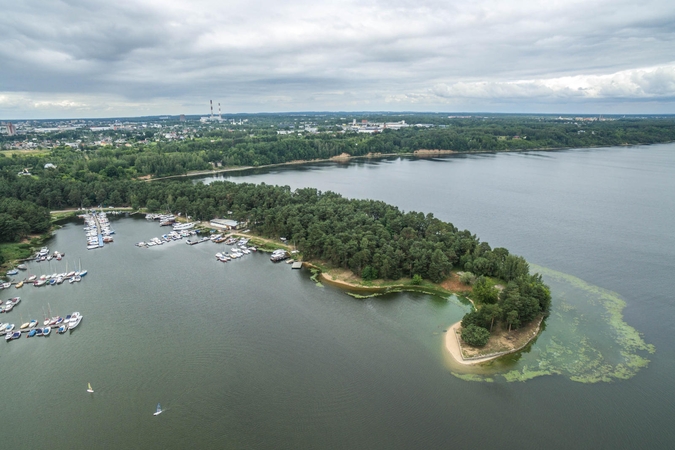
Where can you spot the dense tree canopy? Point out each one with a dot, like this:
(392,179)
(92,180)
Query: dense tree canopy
(21,218)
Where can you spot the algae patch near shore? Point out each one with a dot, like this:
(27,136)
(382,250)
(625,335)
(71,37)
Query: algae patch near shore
(586,338)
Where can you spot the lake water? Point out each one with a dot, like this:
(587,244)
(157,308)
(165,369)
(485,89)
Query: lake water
(251,354)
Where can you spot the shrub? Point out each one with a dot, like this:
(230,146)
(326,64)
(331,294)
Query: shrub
(467,278)
(475,336)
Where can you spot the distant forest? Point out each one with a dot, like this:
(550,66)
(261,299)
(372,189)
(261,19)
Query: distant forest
(260,146)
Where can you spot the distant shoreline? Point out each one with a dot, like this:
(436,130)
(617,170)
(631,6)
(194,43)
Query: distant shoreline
(422,153)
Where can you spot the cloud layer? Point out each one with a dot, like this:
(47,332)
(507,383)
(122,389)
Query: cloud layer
(89,58)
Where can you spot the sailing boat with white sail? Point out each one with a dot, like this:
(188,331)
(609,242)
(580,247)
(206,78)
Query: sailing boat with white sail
(159,410)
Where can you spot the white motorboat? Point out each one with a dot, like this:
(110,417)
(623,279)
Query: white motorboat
(183,226)
(75,319)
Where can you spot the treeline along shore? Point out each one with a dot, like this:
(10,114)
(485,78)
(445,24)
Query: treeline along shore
(187,147)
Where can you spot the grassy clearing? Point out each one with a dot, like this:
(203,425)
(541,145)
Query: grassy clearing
(14,251)
(32,152)
(63,215)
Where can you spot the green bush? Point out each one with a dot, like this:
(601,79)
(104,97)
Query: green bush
(467,278)
(475,336)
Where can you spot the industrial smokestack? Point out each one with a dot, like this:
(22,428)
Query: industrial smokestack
(211,102)
(219,111)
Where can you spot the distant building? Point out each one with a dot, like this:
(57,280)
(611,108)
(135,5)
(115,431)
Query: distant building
(11,129)
(226,224)
(50,166)
(182,118)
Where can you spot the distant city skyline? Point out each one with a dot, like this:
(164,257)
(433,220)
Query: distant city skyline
(88,59)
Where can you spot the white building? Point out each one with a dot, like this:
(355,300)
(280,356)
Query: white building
(226,224)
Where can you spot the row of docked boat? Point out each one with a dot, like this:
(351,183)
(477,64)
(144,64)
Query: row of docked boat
(92,231)
(9,304)
(31,328)
(98,230)
(166,238)
(56,278)
(50,279)
(42,255)
(164,219)
(197,241)
(237,251)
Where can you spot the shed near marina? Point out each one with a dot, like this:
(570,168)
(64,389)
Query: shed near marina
(226,224)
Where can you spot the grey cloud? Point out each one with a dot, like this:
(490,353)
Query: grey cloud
(150,52)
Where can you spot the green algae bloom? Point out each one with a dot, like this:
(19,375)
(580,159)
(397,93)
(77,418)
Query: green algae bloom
(585,338)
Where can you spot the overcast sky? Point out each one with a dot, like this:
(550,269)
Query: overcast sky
(85,58)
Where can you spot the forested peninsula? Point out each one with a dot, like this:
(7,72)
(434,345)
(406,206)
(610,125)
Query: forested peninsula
(370,238)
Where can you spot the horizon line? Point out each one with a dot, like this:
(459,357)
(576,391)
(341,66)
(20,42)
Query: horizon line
(364,112)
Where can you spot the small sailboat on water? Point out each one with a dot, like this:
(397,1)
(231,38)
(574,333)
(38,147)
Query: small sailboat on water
(89,389)
(159,410)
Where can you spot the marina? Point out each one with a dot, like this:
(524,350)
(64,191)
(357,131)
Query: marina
(237,251)
(97,229)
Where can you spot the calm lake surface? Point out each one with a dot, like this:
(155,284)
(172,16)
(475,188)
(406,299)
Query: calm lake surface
(251,354)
